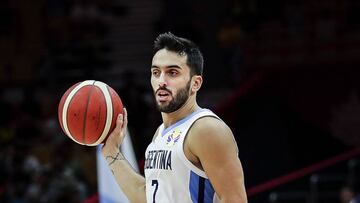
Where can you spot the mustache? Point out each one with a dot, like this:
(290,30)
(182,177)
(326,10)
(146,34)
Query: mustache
(163,88)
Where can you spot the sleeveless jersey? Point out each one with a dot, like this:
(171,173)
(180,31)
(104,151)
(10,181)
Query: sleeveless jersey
(170,176)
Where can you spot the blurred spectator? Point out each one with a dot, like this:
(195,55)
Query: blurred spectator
(356,189)
(350,193)
(86,17)
(346,194)
(76,35)
(230,36)
(345,123)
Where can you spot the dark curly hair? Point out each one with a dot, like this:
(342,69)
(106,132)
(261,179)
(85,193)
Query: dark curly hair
(182,46)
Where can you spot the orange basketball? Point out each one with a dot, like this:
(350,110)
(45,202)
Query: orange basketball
(88,110)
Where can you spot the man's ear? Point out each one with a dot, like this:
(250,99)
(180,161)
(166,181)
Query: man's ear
(196,83)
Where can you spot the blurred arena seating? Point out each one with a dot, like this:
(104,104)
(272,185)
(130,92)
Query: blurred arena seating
(283,74)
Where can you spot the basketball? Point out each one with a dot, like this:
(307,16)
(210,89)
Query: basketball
(87,112)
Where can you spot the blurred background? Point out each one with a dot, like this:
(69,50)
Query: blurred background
(281,73)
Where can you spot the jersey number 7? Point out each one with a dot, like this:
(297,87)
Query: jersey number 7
(156,183)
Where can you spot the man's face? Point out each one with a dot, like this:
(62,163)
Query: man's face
(170,80)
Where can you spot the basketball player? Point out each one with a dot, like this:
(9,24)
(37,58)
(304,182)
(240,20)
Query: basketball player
(193,155)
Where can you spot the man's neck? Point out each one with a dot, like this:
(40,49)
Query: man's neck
(171,118)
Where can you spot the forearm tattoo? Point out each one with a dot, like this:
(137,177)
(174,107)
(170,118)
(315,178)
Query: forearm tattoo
(111,159)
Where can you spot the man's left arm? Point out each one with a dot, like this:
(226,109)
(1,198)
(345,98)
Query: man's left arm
(212,142)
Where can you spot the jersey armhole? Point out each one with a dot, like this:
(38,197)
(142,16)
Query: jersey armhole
(158,131)
(182,155)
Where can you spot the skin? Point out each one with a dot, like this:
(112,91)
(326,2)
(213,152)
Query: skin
(208,143)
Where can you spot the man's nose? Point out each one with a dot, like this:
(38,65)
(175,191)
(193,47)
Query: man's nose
(162,80)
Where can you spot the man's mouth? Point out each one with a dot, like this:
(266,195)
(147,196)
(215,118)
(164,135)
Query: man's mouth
(163,95)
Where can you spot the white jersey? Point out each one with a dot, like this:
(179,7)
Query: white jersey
(170,176)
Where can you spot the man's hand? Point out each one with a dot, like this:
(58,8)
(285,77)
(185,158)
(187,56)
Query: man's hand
(116,137)
(130,182)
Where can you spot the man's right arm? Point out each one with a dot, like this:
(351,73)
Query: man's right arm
(130,182)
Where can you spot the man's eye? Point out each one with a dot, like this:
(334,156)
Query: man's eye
(155,73)
(173,73)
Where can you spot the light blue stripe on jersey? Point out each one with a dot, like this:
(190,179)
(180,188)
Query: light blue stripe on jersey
(182,121)
(208,192)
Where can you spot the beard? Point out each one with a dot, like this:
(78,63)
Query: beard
(178,100)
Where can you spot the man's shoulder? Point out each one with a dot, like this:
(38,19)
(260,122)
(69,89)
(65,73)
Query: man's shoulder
(208,125)
(208,121)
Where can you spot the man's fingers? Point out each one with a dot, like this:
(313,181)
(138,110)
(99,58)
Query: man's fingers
(117,135)
(119,123)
